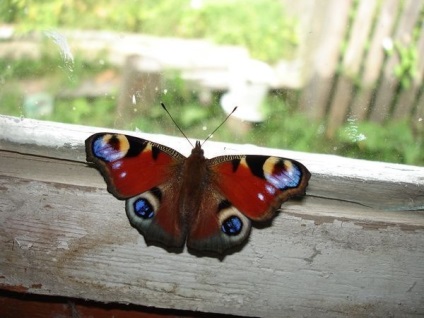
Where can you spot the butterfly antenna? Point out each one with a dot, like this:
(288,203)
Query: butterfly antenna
(164,107)
(223,122)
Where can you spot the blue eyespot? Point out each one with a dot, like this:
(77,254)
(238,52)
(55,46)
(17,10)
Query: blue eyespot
(105,150)
(143,209)
(285,178)
(232,226)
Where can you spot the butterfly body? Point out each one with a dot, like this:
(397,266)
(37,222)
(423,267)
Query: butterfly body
(195,177)
(206,203)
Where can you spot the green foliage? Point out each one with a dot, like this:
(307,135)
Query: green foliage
(182,102)
(85,111)
(286,128)
(393,143)
(261,26)
(407,68)
(406,49)
(27,68)
(47,75)
(50,63)
(11,101)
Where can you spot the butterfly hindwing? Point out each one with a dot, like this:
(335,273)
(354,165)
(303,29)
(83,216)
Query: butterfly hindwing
(218,226)
(154,214)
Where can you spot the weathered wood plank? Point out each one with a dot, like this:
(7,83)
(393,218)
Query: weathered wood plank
(328,255)
(328,26)
(351,65)
(197,60)
(358,39)
(405,104)
(339,106)
(374,59)
(342,177)
(13,305)
(50,240)
(387,89)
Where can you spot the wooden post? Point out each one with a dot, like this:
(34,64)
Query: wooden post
(403,36)
(324,37)
(407,99)
(374,59)
(351,66)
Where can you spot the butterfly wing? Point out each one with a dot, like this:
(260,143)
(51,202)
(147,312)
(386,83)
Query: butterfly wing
(257,185)
(154,214)
(219,225)
(146,175)
(243,188)
(131,165)
(236,189)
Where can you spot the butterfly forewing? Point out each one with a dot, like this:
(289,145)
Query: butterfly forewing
(257,185)
(131,165)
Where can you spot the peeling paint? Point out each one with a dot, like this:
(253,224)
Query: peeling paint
(63,245)
(368,225)
(36,286)
(14,288)
(23,243)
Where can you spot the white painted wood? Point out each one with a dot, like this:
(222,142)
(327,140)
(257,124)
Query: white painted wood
(333,176)
(341,251)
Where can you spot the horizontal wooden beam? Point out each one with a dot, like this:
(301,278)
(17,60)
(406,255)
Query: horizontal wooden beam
(198,60)
(354,244)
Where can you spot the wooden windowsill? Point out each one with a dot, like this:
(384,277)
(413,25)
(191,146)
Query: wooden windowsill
(353,245)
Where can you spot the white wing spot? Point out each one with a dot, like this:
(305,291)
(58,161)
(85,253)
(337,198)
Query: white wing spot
(270,189)
(117,164)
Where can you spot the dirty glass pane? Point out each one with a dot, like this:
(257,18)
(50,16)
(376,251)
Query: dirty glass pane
(339,77)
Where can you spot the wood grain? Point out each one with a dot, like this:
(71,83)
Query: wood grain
(353,246)
(322,54)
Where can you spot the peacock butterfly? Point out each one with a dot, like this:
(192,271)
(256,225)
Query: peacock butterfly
(206,203)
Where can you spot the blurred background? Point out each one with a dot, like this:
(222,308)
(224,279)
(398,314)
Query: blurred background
(334,76)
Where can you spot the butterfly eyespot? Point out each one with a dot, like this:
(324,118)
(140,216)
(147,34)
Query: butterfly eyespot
(232,225)
(143,208)
(282,173)
(110,147)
